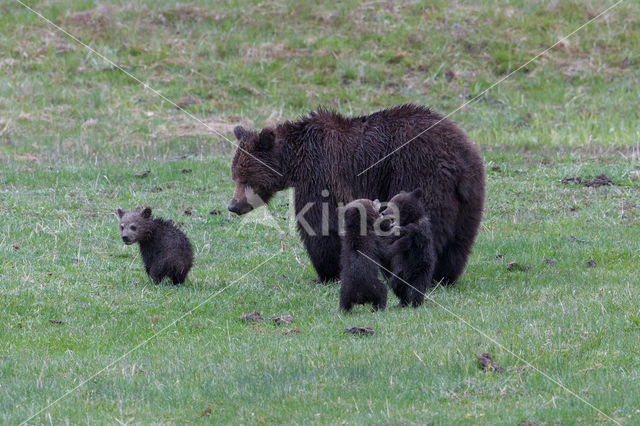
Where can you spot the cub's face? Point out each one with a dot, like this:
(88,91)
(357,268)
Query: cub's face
(133,225)
(255,170)
(405,207)
(361,214)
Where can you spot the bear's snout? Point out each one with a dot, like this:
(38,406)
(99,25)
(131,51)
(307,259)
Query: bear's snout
(390,217)
(239,208)
(126,239)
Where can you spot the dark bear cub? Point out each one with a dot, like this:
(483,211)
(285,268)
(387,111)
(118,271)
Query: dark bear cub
(411,254)
(166,250)
(360,252)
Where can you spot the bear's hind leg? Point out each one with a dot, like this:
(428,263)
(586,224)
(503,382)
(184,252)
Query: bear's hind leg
(399,288)
(451,263)
(346,298)
(379,296)
(452,258)
(178,272)
(415,294)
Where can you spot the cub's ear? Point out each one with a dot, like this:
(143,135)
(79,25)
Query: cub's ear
(239,132)
(265,140)
(146,212)
(120,212)
(377,205)
(417,193)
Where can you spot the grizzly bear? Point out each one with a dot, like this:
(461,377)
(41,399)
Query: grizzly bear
(330,159)
(360,257)
(166,250)
(411,254)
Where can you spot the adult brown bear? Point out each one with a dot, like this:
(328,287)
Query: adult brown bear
(324,155)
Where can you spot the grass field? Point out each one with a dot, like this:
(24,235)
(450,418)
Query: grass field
(82,327)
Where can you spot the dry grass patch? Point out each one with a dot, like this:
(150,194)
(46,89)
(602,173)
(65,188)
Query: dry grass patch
(188,13)
(93,23)
(268,51)
(181,125)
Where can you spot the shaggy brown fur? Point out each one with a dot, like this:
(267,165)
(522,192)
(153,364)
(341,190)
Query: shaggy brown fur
(166,250)
(412,257)
(360,244)
(328,151)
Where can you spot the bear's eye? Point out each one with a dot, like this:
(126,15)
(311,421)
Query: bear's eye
(121,227)
(133,227)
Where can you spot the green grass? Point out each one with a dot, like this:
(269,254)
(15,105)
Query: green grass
(74,130)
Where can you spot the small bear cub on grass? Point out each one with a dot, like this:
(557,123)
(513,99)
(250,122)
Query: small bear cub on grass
(360,255)
(411,254)
(166,250)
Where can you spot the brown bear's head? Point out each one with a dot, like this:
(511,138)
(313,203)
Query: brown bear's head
(255,169)
(135,226)
(406,207)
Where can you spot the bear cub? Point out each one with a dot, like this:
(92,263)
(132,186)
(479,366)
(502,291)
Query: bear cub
(411,255)
(359,274)
(166,250)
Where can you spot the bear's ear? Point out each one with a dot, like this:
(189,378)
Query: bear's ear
(239,132)
(417,193)
(146,212)
(265,140)
(120,212)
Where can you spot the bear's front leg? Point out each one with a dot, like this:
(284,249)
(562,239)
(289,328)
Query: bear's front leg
(379,293)
(318,228)
(324,253)
(157,272)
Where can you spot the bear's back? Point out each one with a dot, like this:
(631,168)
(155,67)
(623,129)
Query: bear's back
(170,238)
